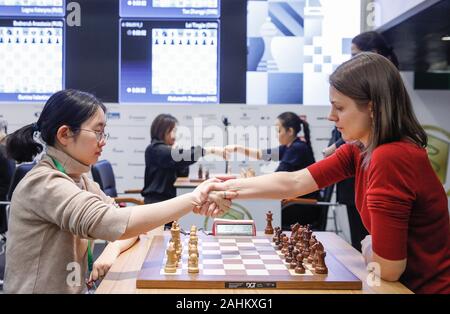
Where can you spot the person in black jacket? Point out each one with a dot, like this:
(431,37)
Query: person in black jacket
(164,164)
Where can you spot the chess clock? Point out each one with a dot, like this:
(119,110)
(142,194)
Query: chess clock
(230,227)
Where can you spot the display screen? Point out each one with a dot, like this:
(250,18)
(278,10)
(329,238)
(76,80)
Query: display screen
(31,59)
(46,8)
(234,229)
(170,8)
(169,61)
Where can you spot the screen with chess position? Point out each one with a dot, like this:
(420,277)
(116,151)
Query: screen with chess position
(48,8)
(171,61)
(170,8)
(31,59)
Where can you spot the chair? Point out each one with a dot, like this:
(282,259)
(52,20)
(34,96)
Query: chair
(103,174)
(20,172)
(307,211)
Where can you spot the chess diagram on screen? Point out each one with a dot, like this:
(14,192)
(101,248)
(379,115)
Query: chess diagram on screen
(31,58)
(184,61)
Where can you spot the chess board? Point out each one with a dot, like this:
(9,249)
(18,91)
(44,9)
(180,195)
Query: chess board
(238,262)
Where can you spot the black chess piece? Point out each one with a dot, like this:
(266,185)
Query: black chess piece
(300,269)
(269,228)
(321,268)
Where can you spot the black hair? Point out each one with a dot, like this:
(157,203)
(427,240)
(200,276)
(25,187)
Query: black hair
(67,107)
(292,120)
(375,42)
(162,124)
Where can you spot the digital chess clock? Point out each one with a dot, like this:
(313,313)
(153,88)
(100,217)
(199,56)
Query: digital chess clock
(230,227)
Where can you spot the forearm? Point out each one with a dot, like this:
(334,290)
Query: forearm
(386,269)
(117,247)
(250,152)
(147,217)
(279,185)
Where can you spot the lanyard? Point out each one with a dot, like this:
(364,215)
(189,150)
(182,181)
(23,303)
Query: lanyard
(90,259)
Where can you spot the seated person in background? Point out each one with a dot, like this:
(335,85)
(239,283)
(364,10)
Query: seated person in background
(56,210)
(293,154)
(161,169)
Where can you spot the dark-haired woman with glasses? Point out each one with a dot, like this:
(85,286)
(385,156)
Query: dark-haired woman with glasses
(56,209)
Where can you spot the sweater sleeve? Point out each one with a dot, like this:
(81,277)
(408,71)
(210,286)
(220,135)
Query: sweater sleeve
(390,196)
(165,157)
(59,201)
(337,167)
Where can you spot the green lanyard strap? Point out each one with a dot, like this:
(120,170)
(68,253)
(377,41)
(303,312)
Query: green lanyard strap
(90,258)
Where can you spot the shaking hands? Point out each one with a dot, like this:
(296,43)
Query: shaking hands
(211,198)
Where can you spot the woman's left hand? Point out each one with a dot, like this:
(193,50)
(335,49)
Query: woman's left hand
(104,262)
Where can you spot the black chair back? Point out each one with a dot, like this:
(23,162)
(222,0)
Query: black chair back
(19,173)
(308,214)
(103,174)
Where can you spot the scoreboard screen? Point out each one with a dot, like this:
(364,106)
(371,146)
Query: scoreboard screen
(170,8)
(47,8)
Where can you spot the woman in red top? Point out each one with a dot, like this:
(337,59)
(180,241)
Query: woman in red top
(398,195)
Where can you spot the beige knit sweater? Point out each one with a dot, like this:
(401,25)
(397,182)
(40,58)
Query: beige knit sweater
(52,216)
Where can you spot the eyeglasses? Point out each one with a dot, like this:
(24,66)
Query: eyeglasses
(100,135)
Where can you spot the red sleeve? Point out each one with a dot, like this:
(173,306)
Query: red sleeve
(337,167)
(390,196)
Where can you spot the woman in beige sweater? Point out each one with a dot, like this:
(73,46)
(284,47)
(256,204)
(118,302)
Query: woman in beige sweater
(56,209)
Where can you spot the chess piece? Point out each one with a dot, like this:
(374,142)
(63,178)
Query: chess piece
(193,239)
(285,245)
(306,249)
(300,269)
(207,174)
(200,172)
(193,264)
(175,232)
(280,245)
(269,228)
(193,249)
(295,253)
(277,232)
(321,268)
(171,264)
(288,255)
(310,259)
(319,248)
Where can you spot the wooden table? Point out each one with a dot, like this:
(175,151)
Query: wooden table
(185,183)
(122,276)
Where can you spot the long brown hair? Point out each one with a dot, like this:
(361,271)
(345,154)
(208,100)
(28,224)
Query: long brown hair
(370,77)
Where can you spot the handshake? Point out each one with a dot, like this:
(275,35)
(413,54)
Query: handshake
(213,197)
(225,152)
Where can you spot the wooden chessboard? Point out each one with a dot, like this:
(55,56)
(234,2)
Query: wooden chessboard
(239,262)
